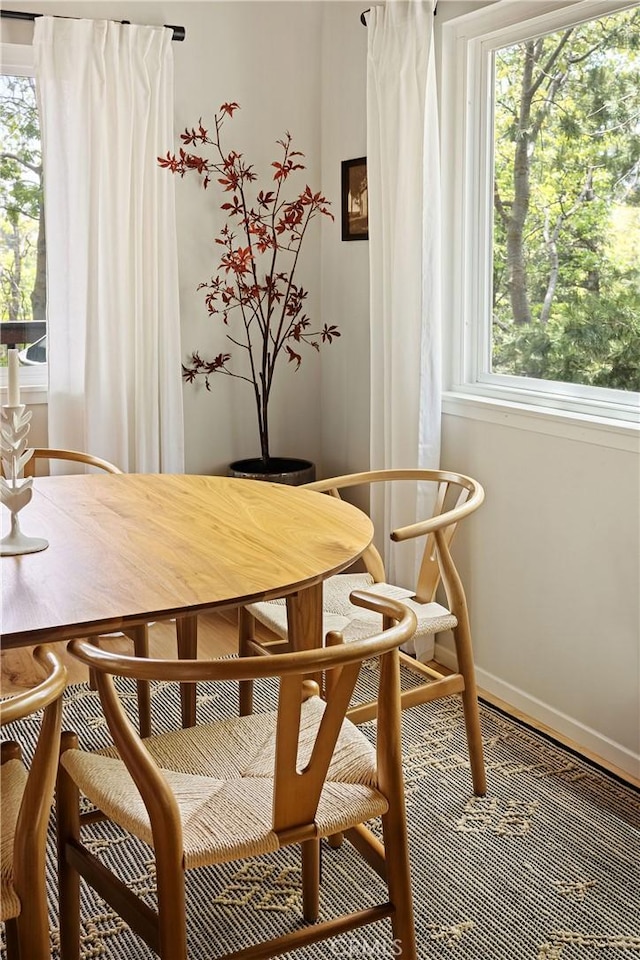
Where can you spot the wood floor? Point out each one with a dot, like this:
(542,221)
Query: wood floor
(217,636)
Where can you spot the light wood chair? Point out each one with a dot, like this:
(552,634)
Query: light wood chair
(26,796)
(186,627)
(73,456)
(242,787)
(455,496)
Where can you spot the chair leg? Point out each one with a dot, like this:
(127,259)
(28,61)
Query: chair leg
(173,931)
(464,653)
(310,880)
(68,829)
(140,637)
(33,925)
(187,638)
(172,917)
(394,828)
(11,938)
(394,822)
(246,633)
(331,678)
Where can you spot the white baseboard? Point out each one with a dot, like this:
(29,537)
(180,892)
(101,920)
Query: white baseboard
(582,737)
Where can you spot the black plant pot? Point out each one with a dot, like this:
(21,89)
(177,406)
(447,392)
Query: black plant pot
(277,469)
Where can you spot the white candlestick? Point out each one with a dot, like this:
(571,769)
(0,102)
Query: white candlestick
(14,382)
(16,490)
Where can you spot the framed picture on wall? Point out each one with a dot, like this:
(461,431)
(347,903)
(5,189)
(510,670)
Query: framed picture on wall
(355,207)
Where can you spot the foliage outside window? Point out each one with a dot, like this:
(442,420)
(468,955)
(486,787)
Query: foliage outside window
(22,239)
(541,122)
(566,238)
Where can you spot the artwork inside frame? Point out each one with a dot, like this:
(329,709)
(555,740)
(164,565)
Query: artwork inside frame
(355,205)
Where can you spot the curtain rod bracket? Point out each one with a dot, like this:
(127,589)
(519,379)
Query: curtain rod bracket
(368,10)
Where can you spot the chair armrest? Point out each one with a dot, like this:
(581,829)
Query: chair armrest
(453,516)
(40,696)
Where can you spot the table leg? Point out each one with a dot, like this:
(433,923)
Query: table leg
(304,621)
(246,636)
(187,637)
(140,637)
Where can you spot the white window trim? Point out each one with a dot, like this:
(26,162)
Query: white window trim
(17,59)
(612,417)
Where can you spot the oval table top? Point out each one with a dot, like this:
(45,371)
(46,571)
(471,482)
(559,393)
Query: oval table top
(131,548)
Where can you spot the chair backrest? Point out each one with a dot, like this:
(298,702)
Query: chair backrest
(75,456)
(33,818)
(456,496)
(296,794)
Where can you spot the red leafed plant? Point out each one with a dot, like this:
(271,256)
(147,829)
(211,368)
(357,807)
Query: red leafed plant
(255,281)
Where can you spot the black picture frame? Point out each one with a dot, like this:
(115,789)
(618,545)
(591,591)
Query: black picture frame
(354,194)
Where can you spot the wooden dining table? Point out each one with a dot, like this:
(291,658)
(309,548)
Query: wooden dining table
(128,549)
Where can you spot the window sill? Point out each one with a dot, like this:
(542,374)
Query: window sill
(581,427)
(30,394)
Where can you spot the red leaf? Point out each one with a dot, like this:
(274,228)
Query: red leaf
(239,261)
(328,333)
(169,162)
(293,356)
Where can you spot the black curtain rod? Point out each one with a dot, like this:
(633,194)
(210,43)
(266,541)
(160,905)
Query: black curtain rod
(368,10)
(179,33)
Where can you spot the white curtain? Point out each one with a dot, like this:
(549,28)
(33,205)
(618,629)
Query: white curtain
(113,337)
(404,256)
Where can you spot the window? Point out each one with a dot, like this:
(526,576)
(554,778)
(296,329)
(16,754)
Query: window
(22,241)
(546,194)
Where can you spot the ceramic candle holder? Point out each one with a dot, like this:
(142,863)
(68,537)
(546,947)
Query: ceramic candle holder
(16,490)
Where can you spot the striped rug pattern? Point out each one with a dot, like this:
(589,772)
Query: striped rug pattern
(545,867)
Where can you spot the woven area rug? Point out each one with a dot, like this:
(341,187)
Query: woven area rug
(545,867)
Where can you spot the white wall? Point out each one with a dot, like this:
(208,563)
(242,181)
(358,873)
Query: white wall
(345,264)
(551,563)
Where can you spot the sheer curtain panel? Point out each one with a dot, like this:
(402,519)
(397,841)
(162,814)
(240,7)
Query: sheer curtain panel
(404,255)
(106,102)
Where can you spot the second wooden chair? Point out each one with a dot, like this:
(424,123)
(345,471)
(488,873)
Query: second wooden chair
(455,497)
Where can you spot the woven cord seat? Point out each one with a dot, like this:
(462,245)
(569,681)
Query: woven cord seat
(13,780)
(222,778)
(356,624)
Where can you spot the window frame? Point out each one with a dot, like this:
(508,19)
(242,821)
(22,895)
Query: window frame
(467,125)
(16,59)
